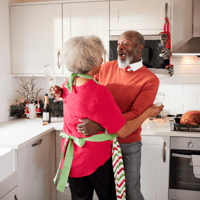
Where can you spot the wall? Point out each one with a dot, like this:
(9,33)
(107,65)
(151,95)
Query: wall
(183,89)
(7,82)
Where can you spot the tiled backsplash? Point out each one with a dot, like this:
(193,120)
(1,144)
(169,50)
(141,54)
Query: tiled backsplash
(182,90)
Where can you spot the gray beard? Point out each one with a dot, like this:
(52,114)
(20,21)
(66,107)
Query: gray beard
(124,64)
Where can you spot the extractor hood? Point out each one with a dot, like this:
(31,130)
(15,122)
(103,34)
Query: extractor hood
(192,46)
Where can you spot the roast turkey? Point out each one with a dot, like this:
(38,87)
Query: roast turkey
(191,117)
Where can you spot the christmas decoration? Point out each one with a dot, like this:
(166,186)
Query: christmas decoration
(165,38)
(29,94)
(38,110)
(17,109)
(166,53)
(170,70)
(56,107)
(26,111)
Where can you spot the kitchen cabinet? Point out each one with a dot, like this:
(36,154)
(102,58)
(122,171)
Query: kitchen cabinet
(36,38)
(12,195)
(155,167)
(38,31)
(66,194)
(146,17)
(36,169)
(181,23)
(88,18)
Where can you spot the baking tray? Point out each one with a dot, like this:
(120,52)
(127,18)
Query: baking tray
(176,126)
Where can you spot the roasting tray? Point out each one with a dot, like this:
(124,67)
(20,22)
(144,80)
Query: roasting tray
(176,126)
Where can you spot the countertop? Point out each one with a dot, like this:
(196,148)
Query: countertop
(19,132)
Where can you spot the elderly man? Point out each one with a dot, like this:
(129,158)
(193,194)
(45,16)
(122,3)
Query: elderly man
(134,88)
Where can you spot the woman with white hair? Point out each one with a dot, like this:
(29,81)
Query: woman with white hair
(86,161)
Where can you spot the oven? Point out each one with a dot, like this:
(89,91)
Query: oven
(184,174)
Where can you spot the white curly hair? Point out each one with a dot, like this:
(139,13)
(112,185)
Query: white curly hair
(81,54)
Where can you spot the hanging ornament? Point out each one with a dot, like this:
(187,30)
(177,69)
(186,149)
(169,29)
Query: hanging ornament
(166,53)
(163,37)
(170,69)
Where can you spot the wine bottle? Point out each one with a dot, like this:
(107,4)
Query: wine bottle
(46,110)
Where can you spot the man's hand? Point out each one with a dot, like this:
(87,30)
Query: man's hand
(89,127)
(56,91)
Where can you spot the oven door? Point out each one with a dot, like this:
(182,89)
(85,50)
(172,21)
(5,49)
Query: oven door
(183,183)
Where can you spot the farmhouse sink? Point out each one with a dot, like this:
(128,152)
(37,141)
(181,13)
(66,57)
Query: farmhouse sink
(7,162)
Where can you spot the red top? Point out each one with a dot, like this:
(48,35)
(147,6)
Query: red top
(95,102)
(133,91)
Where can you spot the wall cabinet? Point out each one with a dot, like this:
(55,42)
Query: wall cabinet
(146,16)
(38,31)
(155,167)
(36,37)
(88,18)
(36,164)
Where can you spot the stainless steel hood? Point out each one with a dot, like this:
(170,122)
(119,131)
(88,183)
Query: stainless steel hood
(192,46)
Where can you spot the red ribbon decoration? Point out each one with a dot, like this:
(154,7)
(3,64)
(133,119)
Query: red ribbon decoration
(166,30)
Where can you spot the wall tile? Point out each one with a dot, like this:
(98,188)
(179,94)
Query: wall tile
(183,97)
(171,88)
(192,88)
(191,106)
(174,106)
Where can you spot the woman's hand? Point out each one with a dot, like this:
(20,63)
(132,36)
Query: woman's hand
(56,91)
(154,110)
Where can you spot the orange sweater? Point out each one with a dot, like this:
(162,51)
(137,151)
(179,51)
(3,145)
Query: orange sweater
(133,91)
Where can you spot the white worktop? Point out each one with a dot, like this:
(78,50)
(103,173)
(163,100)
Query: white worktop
(19,132)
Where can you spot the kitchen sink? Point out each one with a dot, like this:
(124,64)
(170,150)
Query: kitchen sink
(7,162)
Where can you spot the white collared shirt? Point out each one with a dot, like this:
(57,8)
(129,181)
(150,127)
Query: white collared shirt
(135,66)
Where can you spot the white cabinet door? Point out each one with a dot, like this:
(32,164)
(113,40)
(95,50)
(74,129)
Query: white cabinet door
(147,16)
(88,18)
(155,167)
(37,169)
(36,37)
(12,195)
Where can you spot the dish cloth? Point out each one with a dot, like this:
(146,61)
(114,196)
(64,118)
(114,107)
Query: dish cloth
(196,165)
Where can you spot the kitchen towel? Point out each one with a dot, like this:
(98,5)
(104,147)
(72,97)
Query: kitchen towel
(196,165)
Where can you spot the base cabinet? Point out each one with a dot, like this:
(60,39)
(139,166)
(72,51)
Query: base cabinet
(155,167)
(36,164)
(12,195)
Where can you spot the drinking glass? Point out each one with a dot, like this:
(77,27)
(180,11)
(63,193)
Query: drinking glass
(159,102)
(50,78)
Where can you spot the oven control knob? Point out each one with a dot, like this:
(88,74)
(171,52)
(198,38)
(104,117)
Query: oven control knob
(190,144)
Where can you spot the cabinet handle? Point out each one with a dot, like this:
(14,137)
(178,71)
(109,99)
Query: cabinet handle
(58,56)
(164,152)
(16,197)
(37,143)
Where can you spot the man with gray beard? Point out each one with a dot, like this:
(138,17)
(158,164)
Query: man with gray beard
(134,88)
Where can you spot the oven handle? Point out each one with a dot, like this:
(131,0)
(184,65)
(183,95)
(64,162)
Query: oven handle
(181,155)
(164,152)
